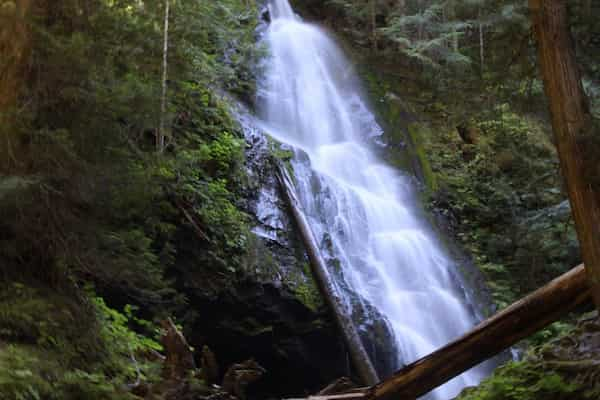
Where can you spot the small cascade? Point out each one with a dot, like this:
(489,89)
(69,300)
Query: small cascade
(385,261)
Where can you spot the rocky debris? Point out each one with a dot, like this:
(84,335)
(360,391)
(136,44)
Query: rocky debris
(209,368)
(179,359)
(182,381)
(576,355)
(239,376)
(340,385)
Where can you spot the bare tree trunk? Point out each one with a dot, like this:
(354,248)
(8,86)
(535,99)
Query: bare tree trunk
(373,12)
(481,46)
(573,127)
(160,143)
(360,358)
(452,17)
(15,48)
(421,29)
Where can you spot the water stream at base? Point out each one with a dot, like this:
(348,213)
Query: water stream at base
(383,257)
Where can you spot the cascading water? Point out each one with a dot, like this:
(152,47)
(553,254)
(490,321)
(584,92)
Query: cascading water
(360,207)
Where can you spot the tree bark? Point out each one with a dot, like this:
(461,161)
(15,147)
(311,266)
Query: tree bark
(15,49)
(360,358)
(489,338)
(179,359)
(481,44)
(373,13)
(15,37)
(160,144)
(573,127)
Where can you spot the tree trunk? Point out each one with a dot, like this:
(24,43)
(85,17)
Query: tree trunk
(160,143)
(573,127)
(489,338)
(481,46)
(360,358)
(373,12)
(15,48)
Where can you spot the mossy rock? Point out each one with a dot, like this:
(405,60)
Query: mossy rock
(418,135)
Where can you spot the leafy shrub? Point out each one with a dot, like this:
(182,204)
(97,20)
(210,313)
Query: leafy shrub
(67,352)
(522,381)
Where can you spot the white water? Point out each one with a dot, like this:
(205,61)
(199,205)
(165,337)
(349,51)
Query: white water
(388,258)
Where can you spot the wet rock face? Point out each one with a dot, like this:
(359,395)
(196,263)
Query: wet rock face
(265,310)
(298,347)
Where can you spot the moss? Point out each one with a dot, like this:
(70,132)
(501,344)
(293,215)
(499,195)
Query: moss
(30,373)
(305,288)
(562,369)
(525,381)
(309,295)
(50,320)
(418,134)
(282,155)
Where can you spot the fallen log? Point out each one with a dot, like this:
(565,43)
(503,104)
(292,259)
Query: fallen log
(490,337)
(358,354)
(487,339)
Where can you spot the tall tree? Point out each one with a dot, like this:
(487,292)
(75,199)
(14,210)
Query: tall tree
(15,38)
(573,126)
(163,97)
(373,14)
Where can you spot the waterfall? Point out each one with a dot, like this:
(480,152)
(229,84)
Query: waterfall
(382,255)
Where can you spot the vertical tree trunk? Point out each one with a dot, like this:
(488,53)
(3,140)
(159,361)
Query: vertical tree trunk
(15,48)
(373,11)
(573,127)
(160,143)
(481,45)
(452,17)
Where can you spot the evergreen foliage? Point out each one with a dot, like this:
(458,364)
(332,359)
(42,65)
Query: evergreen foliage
(86,200)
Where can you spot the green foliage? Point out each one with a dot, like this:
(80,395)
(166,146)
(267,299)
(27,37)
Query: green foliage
(115,330)
(427,37)
(504,198)
(88,200)
(63,349)
(41,317)
(523,381)
(306,290)
(222,216)
(87,135)
(225,153)
(562,368)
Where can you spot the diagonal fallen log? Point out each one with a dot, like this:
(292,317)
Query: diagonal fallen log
(492,336)
(487,339)
(358,354)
